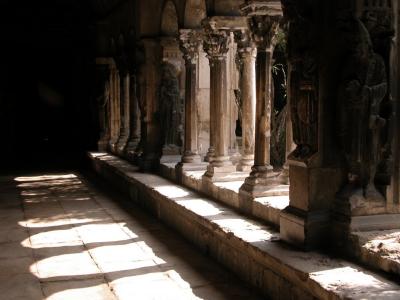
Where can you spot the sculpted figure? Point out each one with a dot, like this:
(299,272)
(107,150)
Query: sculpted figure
(363,87)
(302,86)
(169,105)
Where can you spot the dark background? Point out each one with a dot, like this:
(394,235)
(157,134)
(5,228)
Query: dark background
(47,114)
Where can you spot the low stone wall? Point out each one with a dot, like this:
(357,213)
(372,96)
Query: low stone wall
(250,249)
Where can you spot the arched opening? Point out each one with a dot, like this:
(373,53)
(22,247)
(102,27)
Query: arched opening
(195,12)
(169,20)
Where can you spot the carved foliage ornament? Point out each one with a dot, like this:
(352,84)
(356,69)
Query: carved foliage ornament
(190,41)
(216,42)
(244,42)
(264,30)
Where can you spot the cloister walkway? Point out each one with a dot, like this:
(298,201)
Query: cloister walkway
(63,237)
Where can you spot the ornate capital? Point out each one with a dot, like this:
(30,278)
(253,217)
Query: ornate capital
(190,41)
(264,18)
(216,41)
(245,44)
(263,31)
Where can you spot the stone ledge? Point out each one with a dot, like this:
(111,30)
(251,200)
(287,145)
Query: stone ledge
(250,249)
(379,249)
(266,208)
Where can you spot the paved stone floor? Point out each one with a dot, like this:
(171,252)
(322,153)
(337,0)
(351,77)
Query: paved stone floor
(63,238)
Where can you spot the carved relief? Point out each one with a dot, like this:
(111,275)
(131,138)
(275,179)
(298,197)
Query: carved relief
(377,16)
(303,87)
(362,90)
(170,107)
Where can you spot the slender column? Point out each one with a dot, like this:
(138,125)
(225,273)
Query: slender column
(216,46)
(114,107)
(247,56)
(124,113)
(190,43)
(263,28)
(134,123)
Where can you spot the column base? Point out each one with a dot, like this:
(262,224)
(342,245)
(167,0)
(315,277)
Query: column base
(235,157)
(219,170)
(260,182)
(102,145)
(171,150)
(305,229)
(259,185)
(149,162)
(131,146)
(209,156)
(121,145)
(182,167)
(191,158)
(113,146)
(284,176)
(246,163)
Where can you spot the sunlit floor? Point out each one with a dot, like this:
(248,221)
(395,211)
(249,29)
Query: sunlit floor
(62,238)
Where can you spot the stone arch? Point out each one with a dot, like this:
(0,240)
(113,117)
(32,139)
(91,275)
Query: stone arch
(169,20)
(195,12)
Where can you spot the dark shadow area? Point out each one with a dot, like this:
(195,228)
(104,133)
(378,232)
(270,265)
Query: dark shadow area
(47,116)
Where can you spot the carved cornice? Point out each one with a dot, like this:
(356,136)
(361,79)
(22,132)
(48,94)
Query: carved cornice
(190,41)
(266,7)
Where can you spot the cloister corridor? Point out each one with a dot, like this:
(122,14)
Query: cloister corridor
(64,236)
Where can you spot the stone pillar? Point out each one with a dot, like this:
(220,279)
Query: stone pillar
(103,101)
(190,43)
(263,27)
(247,56)
(216,46)
(124,113)
(314,88)
(114,104)
(134,124)
(150,157)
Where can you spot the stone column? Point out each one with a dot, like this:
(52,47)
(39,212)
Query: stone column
(216,46)
(114,105)
(190,43)
(263,28)
(124,113)
(247,56)
(134,123)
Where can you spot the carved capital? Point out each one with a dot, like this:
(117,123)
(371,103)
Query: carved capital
(216,41)
(190,41)
(263,18)
(245,44)
(264,31)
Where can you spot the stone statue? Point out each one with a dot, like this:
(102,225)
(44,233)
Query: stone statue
(303,88)
(362,89)
(170,106)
